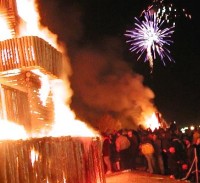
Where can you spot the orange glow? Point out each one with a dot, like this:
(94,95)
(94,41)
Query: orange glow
(65,120)
(45,86)
(34,156)
(5,33)
(152,122)
(11,131)
(27,11)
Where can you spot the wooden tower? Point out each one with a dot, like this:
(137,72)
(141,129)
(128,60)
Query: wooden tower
(22,62)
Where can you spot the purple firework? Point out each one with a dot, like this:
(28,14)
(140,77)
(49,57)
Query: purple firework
(148,37)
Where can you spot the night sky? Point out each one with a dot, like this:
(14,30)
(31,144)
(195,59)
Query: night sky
(108,79)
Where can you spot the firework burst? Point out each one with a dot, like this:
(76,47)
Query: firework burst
(149,38)
(166,10)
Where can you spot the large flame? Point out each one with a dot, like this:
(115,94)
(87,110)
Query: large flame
(65,120)
(152,122)
(5,33)
(27,10)
(12,131)
(64,117)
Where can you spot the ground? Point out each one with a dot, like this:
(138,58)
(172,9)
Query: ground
(137,176)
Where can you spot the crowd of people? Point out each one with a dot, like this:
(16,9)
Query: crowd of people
(162,151)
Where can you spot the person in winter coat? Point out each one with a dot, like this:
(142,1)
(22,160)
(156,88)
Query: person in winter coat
(122,146)
(133,149)
(176,158)
(106,152)
(158,154)
(147,150)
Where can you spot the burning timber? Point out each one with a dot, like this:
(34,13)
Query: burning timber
(19,85)
(47,159)
(51,160)
(27,65)
(29,52)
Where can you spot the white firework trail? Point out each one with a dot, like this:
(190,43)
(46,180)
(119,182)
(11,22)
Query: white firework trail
(150,37)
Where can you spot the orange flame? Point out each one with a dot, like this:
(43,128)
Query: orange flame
(12,131)
(65,120)
(5,33)
(152,122)
(27,10)
(34,156)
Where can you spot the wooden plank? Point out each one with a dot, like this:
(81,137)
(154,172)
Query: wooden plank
(10,56)
(33,50)
(7,82)
(29,45)
(1,60)
(3,56)
(14,54)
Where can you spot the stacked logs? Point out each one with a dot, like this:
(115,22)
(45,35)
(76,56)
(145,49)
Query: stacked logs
(51,160)
(29,51)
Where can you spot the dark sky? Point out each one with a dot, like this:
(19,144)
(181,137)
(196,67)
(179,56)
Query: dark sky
(106,77)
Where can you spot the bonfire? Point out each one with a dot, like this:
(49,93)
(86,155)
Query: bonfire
(41,139)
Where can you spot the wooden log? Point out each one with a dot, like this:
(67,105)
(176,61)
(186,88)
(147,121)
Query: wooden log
(1,59)
(3,56)
(25,51)
(16,53)
(20,52)
(29,50)
(11,54)
(8,60)
(3,174)
(33,51)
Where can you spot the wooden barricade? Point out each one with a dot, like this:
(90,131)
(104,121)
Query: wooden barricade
(48,159)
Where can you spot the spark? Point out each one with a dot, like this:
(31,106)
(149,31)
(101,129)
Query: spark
(148,37)
(166,10)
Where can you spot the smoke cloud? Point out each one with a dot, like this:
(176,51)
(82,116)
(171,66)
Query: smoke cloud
(102,81)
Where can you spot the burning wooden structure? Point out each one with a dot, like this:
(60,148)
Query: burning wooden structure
(23,61)
(51,160)
(20,84)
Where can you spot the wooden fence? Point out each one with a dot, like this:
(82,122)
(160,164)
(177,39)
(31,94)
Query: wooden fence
(48,159)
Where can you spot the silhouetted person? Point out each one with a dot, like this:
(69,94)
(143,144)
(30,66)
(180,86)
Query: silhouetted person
(122,146)
(106,151)
(133,149)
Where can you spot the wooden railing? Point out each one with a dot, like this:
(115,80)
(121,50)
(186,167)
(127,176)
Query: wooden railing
(29,51)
